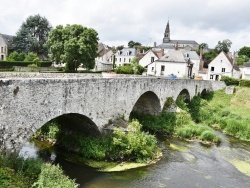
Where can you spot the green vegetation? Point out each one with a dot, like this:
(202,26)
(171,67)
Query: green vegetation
(229,113)
(133,145)
(16,171)
(132,68)
(23,63)
(52,176)
(180,124)
(75,45)
(236,82)
(32,36)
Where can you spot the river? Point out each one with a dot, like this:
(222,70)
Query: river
(184,164)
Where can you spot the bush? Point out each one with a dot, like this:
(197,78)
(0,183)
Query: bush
(52,176)
(230,81)
(209,136)
(244,83)
(127,69)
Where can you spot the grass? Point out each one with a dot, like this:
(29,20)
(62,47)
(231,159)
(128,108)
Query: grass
(229,113)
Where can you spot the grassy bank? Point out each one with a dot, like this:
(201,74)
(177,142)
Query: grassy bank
(229,113)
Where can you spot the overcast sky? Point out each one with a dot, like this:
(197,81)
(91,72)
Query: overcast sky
(119,21)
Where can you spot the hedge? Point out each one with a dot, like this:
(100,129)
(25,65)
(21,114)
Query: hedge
(244,83)
(24,63)
(230,81)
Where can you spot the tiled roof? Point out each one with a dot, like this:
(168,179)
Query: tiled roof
(7,38)
(173,56)
(126,52)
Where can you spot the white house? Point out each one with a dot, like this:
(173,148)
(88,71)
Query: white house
(151,56)
(124,56)
(104,61)
(4,43)
(173,62)
(246,71)
(222,65)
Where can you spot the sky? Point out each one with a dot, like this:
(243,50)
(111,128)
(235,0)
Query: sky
(120,21)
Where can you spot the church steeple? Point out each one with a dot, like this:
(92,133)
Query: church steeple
(166,38)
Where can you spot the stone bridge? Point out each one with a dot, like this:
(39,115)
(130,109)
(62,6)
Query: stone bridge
(28,103)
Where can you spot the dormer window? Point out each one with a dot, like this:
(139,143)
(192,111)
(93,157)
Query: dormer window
(128,52)
(187,55)
(119,52)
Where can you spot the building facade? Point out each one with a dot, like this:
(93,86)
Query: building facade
(4,44)
(168,43)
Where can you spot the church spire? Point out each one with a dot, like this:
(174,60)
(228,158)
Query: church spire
(166,38)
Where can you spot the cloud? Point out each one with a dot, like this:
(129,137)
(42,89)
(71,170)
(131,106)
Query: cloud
(118,22)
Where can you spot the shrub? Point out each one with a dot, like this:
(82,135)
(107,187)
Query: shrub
(32,65)
(127,69)
(52,176)
(209,136)
(244,83)
(230,81)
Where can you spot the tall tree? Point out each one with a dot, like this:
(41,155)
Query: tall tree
(132,44)
(224,45)
(244,51)
(203,46)
(32,36)
(74,44)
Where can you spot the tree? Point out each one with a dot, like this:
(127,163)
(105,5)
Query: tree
(203,46)
(244,51)
(242,59)
(31,57)
(208,57)
(15,56)
(32,36)
(132,44)
(74,44)
(224,45)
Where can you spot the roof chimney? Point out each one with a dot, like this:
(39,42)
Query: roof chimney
(154,44)
(176,46)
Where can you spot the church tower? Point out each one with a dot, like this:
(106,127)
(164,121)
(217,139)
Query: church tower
(166,38)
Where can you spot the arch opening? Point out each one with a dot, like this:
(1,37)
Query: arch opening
(148,103)
(184,94)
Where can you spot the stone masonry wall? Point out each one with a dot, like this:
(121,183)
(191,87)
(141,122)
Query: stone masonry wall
(28,103)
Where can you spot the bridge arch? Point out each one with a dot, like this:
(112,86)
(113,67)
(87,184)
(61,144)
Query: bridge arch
(147,103)
(79,123)
(185,94)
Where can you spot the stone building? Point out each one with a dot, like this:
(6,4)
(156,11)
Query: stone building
(182,44)
(4,44)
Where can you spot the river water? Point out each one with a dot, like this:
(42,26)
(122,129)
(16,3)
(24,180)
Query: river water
(184,164)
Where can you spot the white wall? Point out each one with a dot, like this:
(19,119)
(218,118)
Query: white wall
(121,59)
(3,49)
(178,69)
(246,73)
(146,60)
(221,61)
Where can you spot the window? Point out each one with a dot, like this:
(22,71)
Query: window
(212,68)
(120,59)
(211,77)
(2,57)
(124,59)
(187,55)
(223,70)
(1,49)
(162,68)
(115,59)
(129,60)
(152,70)
(152,59)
